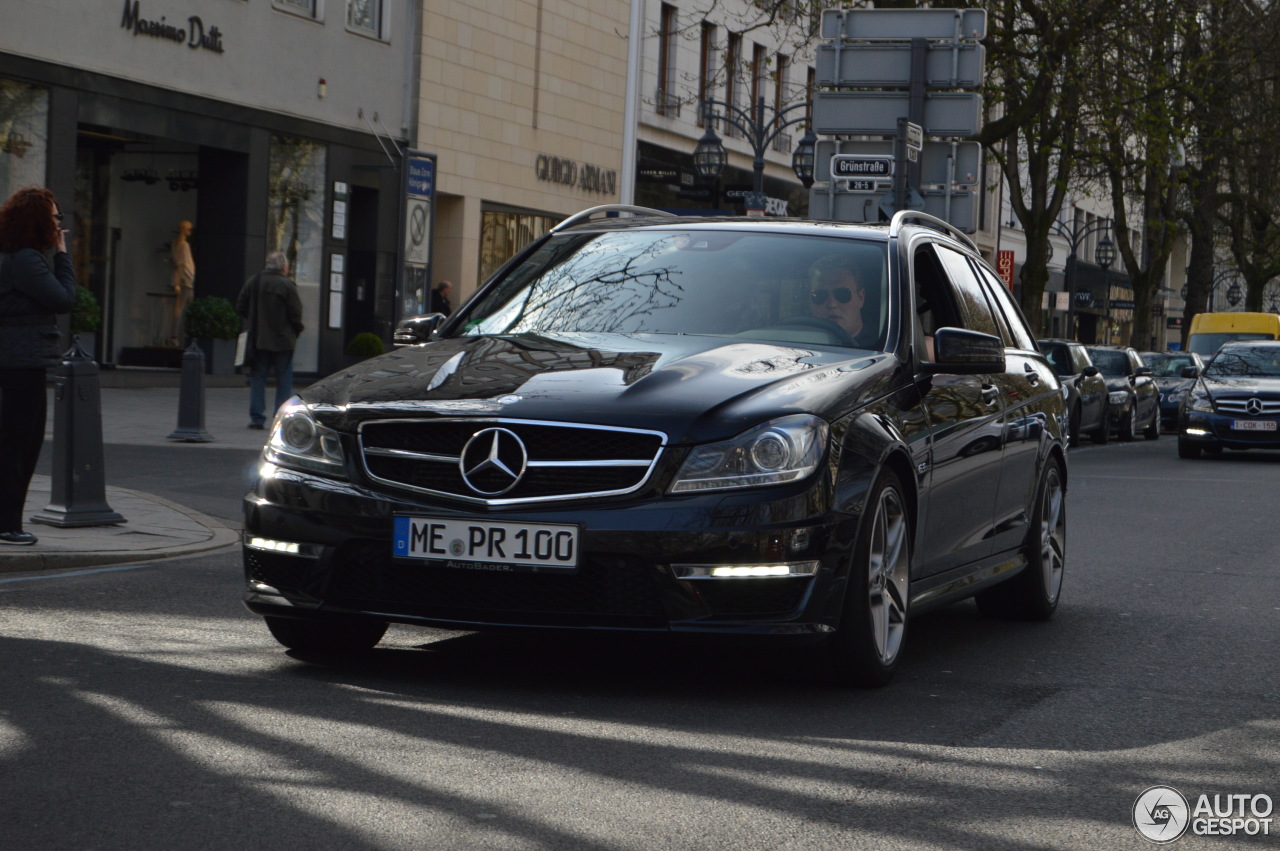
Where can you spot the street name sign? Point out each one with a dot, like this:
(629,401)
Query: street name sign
(861,166)
(871,113)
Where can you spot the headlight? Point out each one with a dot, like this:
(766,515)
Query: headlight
(1198,400)
(1118,398)
(297,440)
(784,450)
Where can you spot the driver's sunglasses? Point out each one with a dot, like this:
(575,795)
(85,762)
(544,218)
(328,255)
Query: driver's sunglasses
(840,294)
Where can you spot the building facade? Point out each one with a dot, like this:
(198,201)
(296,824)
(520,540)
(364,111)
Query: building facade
(268,125)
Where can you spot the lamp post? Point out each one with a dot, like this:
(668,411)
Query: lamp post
(709,158)
(1234,293)
(1104,256)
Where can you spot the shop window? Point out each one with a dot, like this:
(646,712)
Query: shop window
(365,17)
(503,234)
(24,133)
(296,226)
(305,8)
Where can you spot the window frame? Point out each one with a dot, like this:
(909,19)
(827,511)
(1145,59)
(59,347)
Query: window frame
(381,31)
(295,8)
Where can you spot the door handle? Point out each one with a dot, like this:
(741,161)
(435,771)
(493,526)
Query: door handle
(1033,377)
(990,394)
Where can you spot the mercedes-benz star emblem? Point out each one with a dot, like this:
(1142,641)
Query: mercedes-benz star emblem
(493,461)
(1253,406)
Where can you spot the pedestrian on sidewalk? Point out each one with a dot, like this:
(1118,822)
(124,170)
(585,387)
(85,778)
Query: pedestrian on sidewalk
(272,311)
(440,302)
(37,282)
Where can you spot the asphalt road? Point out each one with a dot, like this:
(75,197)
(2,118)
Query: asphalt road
(145,708)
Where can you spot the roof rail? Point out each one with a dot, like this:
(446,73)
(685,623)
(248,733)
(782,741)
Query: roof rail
(578,218)
(903,216)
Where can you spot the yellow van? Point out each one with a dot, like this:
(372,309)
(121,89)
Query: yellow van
(1210,330)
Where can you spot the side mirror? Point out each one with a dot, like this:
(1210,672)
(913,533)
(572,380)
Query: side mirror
(1090,371)
(1142,371)
(958,351)
(416,329)
(1190,372)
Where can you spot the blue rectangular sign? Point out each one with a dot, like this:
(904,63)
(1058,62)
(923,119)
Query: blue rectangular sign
(421,178)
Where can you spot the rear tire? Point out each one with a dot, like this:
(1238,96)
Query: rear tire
(873,625)
(1073,427)
(1033,594)
(327,635)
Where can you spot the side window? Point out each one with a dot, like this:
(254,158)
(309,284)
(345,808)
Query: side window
(1008,308)
(974,308)
(935,305)
(1079,360)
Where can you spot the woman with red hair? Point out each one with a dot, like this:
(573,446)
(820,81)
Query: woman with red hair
(36,283)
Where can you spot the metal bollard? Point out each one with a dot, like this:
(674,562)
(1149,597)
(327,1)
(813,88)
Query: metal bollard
(191,399)
(78,494)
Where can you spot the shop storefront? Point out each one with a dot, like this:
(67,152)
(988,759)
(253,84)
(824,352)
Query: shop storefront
(666,180)
(182,143)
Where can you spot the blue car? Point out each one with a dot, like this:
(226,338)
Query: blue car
(1168,370)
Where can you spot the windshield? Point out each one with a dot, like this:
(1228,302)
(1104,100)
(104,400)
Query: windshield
(1109,363)
(1167,366)
(1206,344)
(720,283)
(1236,361)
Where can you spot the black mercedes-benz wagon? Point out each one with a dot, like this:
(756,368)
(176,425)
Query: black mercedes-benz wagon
(774,428)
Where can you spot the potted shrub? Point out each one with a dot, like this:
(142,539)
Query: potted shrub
(86,319)
(214,324)
(365,345)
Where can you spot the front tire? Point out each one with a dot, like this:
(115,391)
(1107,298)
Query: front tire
(1152,431)
(1129,426)
(1073,427)
(326,635)
(1102,433)
(1187,449)
(873,625)
(1033,594)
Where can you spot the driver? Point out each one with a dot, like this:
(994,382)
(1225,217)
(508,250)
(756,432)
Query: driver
(836,294)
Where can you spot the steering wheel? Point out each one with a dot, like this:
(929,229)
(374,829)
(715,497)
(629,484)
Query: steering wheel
(839,336)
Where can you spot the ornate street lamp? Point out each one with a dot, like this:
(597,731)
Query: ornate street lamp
(1234,293)
(1104,256)
(709,157)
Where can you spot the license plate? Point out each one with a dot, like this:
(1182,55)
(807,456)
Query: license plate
(1253,425)
(486,545)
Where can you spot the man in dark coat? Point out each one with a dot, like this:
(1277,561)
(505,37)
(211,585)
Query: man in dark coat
(440,302)
(272,311)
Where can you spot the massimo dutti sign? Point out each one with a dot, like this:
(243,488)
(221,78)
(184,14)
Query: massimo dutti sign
(196,35)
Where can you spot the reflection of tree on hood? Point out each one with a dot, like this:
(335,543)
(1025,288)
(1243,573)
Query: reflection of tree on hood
(600,289)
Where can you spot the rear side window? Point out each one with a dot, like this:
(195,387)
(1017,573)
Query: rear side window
(1005,305)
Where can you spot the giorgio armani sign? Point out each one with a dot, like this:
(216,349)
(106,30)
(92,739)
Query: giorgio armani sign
(195,35)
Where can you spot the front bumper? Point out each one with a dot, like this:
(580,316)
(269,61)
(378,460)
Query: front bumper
(1214,430)
(343,561)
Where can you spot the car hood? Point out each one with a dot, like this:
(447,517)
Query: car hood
(1167,384)
(691,388)
(1238,386)
(1119,384)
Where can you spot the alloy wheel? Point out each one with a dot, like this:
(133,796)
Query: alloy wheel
(1053,533)
(887,579)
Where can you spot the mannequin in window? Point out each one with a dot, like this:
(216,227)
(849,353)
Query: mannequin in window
(183,280)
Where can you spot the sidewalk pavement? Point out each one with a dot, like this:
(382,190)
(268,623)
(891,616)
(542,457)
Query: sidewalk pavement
(155,528)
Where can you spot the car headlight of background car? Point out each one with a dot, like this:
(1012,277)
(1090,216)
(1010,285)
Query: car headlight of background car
(1119,397)
(782,450)
(297,440)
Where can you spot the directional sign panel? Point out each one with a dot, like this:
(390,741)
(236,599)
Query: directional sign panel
(867,113)
(933,160)
(860,207)
(888,65)
(904,24)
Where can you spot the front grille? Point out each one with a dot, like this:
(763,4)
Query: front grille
(564,461)
(365,577)
(1240,406)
